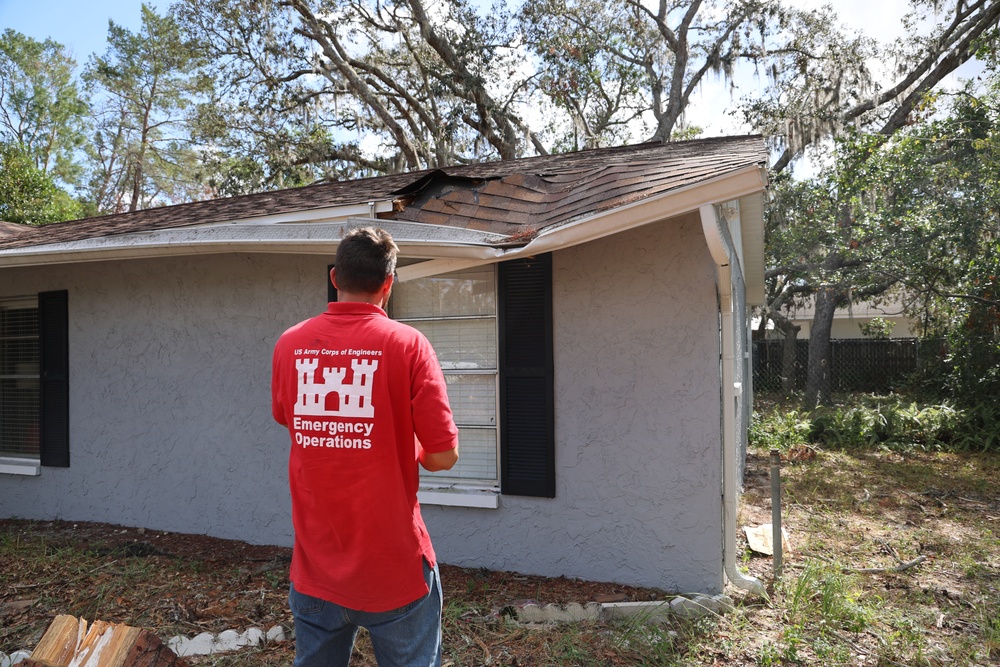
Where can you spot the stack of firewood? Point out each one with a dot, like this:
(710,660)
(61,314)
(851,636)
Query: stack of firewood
(70,641)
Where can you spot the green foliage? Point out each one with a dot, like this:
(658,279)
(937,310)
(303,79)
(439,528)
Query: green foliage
(28,195)
(911,215)
(884,422)
(878,328)
(823,594)
(779,429)
(141,152)
(43,111)
(334,90)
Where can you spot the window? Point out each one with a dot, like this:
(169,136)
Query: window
(34,382)
(492,330)
(20,388)
(458,314)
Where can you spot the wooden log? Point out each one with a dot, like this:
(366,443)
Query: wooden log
(59,643)
(69,641)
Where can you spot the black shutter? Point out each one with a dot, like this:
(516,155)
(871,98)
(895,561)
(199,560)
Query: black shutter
(53,333)
(331,291)
(527,426)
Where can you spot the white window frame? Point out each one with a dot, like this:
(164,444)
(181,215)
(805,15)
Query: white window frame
(439,488)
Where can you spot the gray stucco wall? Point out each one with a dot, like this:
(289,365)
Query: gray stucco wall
(171,428)
(638,448)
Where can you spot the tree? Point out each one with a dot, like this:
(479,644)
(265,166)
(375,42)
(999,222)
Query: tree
(915,213)
(955,287)
(822,88)
(41,109)
(27,194)
(824,241)
(588,71)
(349,88)
(812,101)
(608,64)
(141,153)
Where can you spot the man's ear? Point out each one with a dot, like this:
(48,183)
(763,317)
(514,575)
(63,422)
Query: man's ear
(333,277)
(387,287)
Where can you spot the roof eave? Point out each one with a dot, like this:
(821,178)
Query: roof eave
(313,232)
(312,238)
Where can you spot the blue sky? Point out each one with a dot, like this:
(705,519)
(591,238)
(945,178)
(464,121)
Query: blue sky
(80,25)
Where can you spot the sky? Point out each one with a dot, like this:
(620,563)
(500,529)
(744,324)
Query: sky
(80,25)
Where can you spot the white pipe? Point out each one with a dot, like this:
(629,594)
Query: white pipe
(722,256)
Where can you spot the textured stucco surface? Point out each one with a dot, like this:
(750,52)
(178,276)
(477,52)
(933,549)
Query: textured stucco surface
(638,496)
(171,427)
(170,424)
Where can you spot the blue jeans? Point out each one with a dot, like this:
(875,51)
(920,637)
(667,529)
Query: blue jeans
(406,637)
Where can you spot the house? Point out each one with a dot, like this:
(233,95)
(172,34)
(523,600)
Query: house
(849,320)
(589,311)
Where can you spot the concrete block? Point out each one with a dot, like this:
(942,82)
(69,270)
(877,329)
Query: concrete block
(253,637)
(14,658)
(726,603)
(688,607)
(652,612)
(230,640)
(197,645)
(554,613)
(276,634)
(717,604)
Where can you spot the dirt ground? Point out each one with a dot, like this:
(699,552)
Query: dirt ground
(853,519)
(176,583)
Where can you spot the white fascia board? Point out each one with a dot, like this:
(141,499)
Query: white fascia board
(314,238)
(420,234)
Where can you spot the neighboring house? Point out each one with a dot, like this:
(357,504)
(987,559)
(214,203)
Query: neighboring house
(580,305)
(847,321)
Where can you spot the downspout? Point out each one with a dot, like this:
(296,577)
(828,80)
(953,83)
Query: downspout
(722,252)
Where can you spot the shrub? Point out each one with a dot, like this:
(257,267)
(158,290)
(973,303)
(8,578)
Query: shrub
(887,422)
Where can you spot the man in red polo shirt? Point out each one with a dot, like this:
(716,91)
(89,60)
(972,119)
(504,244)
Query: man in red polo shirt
(364,401)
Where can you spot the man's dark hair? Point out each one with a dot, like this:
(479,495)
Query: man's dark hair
(365,258)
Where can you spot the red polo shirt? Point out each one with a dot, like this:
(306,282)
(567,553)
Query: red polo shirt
(354,389)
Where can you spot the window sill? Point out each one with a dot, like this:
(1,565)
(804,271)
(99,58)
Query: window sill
(14,466)
(481,497)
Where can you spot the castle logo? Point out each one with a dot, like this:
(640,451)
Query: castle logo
(331,396)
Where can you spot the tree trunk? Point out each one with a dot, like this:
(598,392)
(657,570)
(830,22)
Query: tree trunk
(788,357)
(818,385)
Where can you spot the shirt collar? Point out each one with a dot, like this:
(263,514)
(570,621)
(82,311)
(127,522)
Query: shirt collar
(353,308)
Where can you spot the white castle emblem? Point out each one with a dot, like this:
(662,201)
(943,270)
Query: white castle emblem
(355,398)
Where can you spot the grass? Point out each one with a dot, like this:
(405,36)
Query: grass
(847,509)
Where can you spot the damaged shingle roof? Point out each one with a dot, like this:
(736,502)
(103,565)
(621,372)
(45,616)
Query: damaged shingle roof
(512,197)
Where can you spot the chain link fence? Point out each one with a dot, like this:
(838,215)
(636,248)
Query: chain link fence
(862,365)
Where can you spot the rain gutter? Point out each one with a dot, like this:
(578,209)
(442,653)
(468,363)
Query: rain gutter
(720,245)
